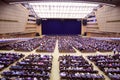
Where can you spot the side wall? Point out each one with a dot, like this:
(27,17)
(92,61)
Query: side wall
(92,25)
(108,19)
(13,18)
(31,26)
(108,22)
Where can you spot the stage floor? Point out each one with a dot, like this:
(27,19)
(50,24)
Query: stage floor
(55,63)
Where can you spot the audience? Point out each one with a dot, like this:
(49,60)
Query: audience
(92,45)
(28,45)
(36,67)
(76,67)
(7,44)
(47,44)
(64,45)
(8,58)
(110,65)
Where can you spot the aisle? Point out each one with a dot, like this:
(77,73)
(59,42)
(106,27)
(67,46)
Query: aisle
(55,64)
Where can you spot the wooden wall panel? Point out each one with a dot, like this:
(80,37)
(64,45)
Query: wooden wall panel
(109,19)
(92,26)
(13,18)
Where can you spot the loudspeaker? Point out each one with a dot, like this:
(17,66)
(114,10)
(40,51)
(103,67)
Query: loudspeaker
(85,34)
(84,22)
(38,21)
(37,34)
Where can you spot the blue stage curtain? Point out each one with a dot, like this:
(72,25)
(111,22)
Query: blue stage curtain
(61,27)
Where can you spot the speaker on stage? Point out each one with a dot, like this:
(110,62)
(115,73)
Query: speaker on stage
(84,22)
(38,21)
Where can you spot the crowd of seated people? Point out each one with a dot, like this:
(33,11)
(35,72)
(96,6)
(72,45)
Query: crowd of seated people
(64,45)
(6,41)
(8,58)
(92,45)
(115,43)
(28,45)
(33,67)
(77,68)
(102,45)
(82,44)
(109,64)
(47,44)
(7,44)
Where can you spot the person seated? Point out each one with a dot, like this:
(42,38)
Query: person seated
(47,44)
(29,67)
(77,67)
(108,64)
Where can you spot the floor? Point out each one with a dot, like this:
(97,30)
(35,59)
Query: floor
(55,63)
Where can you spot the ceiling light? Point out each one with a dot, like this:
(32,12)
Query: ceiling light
(62,9)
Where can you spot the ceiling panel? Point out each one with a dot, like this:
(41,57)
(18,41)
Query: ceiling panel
(116,2)
(62,9)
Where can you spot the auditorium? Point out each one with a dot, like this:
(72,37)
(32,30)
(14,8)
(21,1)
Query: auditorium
(59,39)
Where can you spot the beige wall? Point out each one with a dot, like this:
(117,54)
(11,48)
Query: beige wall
(31,26)
(83,30)
(92,26)
(39,29)
(108,19)
(13,18)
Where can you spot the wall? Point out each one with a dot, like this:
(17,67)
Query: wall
(83,29)
(107,24)
(103,34)
(92,25)
(17,35)
(31,26)
(39,29)
(108,19)
(13,18)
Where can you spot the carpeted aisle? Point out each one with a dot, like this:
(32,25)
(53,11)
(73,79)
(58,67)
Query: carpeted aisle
(55,64)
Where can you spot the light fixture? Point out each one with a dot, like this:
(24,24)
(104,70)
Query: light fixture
(62,9)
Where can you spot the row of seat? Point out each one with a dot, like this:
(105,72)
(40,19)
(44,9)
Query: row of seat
(8,58)
(93,45)
(28,45)
(64,45)
(109,64)
(33,67)
(7,45)
(77,68)
(47,44)
(87,44)
(82,44)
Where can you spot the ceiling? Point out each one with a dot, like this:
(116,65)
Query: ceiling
(115,2)
(63,8)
